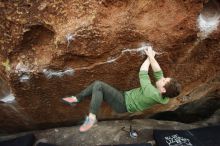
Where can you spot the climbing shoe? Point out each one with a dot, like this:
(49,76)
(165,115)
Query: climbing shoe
(88,123)
(72,100)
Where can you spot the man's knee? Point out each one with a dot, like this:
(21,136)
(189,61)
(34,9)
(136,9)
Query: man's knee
(98,84)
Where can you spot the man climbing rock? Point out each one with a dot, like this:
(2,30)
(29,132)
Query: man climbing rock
(134,100)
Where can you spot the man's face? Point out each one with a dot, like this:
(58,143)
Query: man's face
(161,83)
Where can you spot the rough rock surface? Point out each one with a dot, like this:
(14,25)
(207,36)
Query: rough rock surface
(51,49)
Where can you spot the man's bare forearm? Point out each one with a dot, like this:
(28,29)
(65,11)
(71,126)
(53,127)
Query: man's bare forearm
(145,65)
(154,64)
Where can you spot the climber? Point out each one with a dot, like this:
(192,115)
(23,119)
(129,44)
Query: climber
(134,100)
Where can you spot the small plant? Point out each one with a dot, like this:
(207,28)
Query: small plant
(6,64)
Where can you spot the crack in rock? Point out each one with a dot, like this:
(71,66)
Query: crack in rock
(114,59)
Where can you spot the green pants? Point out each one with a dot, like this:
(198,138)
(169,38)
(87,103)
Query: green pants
(101,91)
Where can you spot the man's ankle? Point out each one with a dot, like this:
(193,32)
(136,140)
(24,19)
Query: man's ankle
(92,116)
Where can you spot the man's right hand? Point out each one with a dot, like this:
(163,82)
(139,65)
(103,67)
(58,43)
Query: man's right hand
(154,64)
(150,52)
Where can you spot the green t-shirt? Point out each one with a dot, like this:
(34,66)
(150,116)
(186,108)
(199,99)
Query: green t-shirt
(147,95)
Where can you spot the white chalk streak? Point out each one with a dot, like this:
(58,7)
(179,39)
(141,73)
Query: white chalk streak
(8,99)
(207,24)
(49,73)
(69,37)
(24,78)
(111,60)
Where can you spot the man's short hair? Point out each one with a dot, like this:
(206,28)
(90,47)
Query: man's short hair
(173,88)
